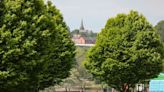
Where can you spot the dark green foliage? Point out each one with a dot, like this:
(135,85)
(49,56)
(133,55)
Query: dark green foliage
(127,51)
(35,48)
(1,9)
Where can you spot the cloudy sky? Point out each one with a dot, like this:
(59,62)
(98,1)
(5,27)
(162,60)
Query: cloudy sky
(96,12)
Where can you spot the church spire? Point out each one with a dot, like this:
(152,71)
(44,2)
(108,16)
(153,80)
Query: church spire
(82,26)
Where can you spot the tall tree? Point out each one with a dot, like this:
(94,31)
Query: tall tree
(127,51)
(160,29)
(35,47)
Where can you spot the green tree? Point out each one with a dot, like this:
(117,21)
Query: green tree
(76,31)
(78,72)
(127,51)
(80,57)
(35,47)
(84,34)
(160,29)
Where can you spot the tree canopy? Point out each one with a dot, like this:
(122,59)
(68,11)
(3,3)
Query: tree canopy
(160,29)
(127,51)
(35,47)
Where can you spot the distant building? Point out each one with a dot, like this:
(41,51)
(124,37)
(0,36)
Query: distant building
(78,39)
(82,37)
(89,40)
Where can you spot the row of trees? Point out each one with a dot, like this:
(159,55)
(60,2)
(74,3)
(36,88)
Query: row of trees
(83,34)
(79,74)
(36,50)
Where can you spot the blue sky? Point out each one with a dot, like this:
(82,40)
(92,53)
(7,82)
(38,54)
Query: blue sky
(96,12)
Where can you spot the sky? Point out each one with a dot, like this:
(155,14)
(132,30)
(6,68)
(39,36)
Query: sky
(95,13)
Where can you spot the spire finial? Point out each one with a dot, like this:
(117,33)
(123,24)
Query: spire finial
(82,26)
